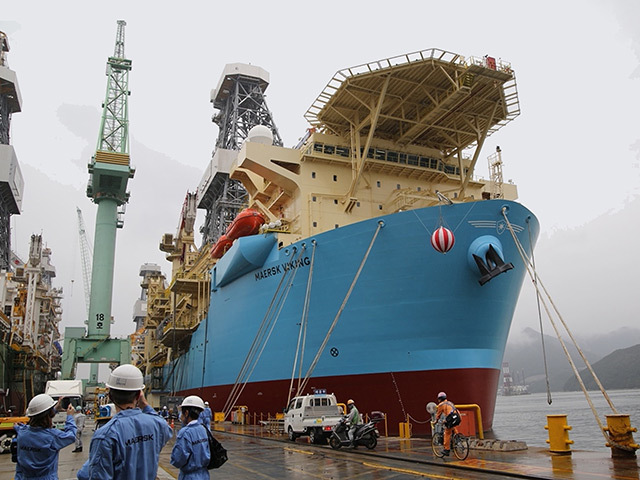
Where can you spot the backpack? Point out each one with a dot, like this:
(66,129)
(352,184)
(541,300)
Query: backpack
(453,419)
(218,452)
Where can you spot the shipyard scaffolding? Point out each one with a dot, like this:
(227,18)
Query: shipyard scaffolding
(31,308)
(240,101)
(173,311)
(109,171)
(149,273)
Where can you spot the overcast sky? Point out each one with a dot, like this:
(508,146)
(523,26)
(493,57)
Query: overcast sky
(573,152)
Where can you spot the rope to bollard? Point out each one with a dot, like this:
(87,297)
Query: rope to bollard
(418,421)
(536,281)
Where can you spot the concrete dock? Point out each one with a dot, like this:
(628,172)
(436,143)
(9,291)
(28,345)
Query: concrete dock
(255,453)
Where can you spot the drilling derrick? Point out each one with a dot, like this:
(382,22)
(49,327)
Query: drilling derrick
(109,171)
(11,182)
(240,100)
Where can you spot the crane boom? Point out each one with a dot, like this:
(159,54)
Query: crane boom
(85,254)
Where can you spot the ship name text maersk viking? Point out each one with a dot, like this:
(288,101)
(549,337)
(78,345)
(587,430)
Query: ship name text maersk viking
(282,268)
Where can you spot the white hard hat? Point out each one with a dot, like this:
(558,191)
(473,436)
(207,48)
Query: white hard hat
(206,404)
(164,408)
(192,401)
(40,403)
(125,377)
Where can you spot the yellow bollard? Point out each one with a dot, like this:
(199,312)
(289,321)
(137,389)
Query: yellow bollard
(620,434)
(558,434)
(405,429)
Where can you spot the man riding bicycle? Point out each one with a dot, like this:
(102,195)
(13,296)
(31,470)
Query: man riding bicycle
(445,407)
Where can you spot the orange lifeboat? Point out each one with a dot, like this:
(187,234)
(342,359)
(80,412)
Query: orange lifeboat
(247,222)
(222,245)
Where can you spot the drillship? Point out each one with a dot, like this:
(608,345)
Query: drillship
(370,260)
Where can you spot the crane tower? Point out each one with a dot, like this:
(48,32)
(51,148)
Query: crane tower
(109,171)
(240,99)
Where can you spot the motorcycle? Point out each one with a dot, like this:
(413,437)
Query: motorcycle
(366,434)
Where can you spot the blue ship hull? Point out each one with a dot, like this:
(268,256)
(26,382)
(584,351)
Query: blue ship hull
(416,321)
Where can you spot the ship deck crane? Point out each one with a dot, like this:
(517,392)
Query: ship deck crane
(109,171)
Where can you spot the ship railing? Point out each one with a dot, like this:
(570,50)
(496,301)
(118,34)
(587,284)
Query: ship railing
(491,63)
(398,61)
(275,426)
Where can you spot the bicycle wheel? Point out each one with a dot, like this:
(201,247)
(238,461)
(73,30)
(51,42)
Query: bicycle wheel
(437,442)
(460,446)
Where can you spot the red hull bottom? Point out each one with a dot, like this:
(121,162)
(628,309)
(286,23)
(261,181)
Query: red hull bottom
(396,394)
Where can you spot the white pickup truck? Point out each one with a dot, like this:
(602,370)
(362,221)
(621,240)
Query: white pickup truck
(312,415)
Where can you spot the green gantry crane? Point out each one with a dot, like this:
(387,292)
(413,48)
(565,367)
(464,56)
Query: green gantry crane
(109,171)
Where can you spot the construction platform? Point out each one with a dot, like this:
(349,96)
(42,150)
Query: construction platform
(255,453)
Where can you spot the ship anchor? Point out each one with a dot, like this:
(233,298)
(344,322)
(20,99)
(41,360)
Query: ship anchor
(494,266)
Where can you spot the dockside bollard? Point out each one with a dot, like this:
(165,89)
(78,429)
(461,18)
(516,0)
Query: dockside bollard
(558,434)
(621,436)
(405,429)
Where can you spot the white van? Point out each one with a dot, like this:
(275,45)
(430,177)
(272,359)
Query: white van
(71,390)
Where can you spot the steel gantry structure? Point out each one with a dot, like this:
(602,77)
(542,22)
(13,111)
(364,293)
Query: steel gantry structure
(11,182)
(240,99)
(109,171)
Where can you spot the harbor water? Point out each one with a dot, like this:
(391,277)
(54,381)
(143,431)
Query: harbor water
(523,417)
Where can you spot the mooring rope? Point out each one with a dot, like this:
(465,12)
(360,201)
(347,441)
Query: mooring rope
(544,350)
(337,317)
(302,333)
(404,412)
(262,336)
(537,284)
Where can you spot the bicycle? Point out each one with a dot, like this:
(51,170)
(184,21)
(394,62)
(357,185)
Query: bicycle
(459,443)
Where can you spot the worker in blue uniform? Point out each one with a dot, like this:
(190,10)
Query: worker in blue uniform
(191,451)
(205,416)
(39,442)
(128,446)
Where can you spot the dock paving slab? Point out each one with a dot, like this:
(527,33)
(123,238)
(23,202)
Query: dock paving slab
(241,442)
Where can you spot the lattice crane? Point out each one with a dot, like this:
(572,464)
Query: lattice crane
(85,256)
(109,170)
